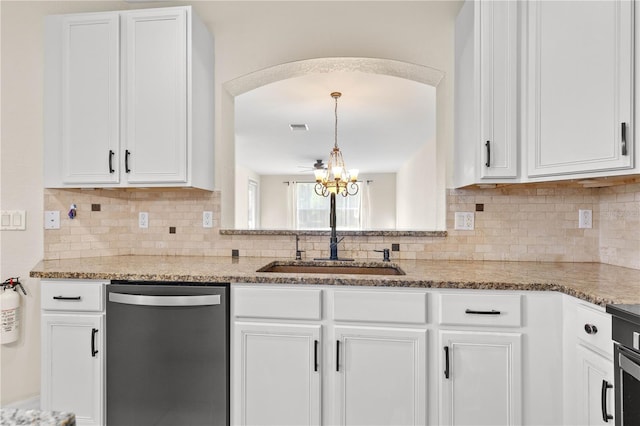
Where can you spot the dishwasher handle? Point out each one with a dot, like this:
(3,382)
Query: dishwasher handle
(142,300)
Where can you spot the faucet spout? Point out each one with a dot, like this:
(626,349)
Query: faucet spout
(333,240)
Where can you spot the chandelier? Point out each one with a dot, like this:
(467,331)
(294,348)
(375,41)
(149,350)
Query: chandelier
(336,179)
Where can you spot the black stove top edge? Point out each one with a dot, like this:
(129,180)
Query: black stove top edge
(627,312)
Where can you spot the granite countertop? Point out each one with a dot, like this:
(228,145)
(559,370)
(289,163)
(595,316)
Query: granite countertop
(594,282)
(16,416)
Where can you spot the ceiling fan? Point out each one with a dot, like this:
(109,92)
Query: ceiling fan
(318,165)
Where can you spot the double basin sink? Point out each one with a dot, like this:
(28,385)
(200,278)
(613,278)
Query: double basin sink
(333,267)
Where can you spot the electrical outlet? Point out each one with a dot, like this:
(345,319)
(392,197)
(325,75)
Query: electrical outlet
(207,219)
(585,219)
(143,220)
(52,219)
(464,221)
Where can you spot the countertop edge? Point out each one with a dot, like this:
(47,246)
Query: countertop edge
(332,281)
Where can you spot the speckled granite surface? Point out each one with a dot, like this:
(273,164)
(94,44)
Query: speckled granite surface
(594,282)
(15,416)
(370,233)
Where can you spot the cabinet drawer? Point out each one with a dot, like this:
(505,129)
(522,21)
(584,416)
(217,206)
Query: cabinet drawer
(380,306)
(495,310)
(76,295)
(281,303)
(594,328)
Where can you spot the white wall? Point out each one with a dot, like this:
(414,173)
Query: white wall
(267,34)
(382,200)
(274,201)
(249,36)
(418,175)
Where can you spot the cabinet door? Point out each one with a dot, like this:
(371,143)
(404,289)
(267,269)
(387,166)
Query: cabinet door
(498,26)
(90,98)
(276,374)
(155,100)
(596,386)
(380,376)
(579,86)
(480,378)
(73,365)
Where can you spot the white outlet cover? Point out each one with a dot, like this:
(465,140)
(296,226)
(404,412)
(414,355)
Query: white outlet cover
(464,221)
(585,219)
(52,219)
(207,219)
(143,220)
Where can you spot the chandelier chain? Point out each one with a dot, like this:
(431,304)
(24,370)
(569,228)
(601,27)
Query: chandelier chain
(335,145)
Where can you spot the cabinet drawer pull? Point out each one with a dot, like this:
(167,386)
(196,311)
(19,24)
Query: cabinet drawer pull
(623,137)
(67,298)
(111,154)
(488,145)
(127,153)
(94,351)
(590,329)
(603,401)
(315,355)
(473,312)
(337,355)
(446,362)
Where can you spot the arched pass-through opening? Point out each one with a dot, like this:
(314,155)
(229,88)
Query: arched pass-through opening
(225,154)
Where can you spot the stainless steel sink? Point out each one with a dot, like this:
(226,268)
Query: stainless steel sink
(291,267)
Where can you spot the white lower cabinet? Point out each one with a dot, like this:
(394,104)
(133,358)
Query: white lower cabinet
(481,378)
(73,349)
(380,376)
(589,377)
(323,355)
(73,374)
(596,388)
(278,374)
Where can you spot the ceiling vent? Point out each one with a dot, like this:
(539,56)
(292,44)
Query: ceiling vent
(299,127)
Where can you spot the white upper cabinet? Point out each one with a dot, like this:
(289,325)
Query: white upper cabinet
(82,99)
(129,100)
(579,87)
(486,92)
(154,92)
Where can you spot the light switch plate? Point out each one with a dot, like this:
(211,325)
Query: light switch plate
(52,219)
(13,220)
(464,221)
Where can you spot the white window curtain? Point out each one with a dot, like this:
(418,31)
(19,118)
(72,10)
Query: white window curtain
(292,205)
(365,210)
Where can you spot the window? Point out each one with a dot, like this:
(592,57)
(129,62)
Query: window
(312,210)
(252,205)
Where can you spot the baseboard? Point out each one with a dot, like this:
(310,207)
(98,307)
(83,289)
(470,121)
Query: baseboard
(25,404)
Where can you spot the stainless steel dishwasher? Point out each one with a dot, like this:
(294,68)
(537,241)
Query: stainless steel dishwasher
(167,354)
